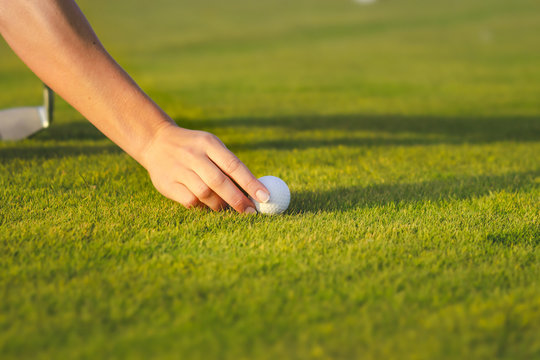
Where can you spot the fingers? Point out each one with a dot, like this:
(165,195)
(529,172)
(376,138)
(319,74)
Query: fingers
(234,168)
(202,191)
(181,194)
(220,183)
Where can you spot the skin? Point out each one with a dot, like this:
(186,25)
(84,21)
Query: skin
(191,167)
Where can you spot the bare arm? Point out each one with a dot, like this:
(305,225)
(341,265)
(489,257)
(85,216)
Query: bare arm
(58,44)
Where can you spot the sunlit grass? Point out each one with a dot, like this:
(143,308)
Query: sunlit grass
(409,135)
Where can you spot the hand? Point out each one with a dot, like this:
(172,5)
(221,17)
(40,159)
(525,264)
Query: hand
(195,168)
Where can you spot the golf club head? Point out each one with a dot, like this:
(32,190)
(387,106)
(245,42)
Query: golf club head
(20,123)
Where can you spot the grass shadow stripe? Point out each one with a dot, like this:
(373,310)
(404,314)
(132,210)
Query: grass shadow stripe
(350,198)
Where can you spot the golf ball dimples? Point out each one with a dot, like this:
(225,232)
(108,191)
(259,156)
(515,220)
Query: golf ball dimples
(280,196)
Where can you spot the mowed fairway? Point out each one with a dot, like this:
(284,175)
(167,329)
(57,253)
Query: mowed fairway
(408,132)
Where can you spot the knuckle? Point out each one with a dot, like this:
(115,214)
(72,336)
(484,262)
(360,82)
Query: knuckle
(217,180)
(207,138)
(232,165)
(164,188)
(190,155)
(190,202)
(204,191)
(237,202)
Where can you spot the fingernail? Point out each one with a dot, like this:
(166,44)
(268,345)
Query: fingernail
(262,196)
(250,210)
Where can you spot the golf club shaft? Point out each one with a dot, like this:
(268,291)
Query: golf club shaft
(48,102)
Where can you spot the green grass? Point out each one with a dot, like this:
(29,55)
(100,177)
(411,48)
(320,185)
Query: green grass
(409,133)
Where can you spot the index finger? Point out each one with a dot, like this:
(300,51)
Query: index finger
(231,165)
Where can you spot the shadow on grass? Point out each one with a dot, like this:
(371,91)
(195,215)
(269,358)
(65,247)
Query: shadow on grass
(348,141)
(27,152)
(384,130)
(448,129)
(350,198)
(414,130)
(76,130)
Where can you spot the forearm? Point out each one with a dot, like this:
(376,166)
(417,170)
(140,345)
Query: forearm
(56,42)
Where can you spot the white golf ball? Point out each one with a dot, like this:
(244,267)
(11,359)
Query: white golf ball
(280,196)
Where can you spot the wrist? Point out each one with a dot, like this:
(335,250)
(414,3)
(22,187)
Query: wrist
(144,155)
